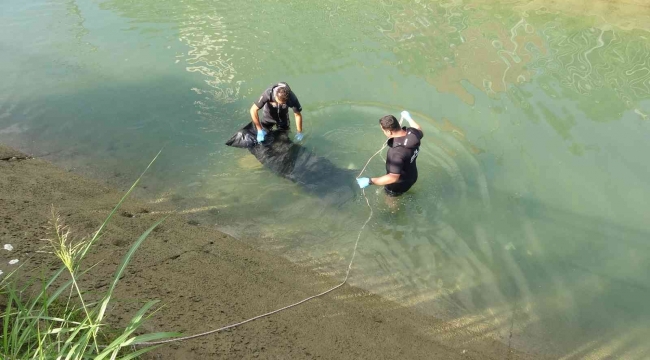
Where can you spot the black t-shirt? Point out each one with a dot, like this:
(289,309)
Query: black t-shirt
(401,159)
(274,114)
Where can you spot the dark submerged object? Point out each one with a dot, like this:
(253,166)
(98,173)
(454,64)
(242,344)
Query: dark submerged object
(244,138)
(316,174)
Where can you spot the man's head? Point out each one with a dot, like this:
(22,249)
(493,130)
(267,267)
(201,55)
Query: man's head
(389,125)
(282,95)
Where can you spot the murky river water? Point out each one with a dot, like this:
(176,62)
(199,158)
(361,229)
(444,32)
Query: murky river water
(530,215)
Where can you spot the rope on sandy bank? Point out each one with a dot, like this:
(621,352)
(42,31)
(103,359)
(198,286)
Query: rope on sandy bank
(347,275)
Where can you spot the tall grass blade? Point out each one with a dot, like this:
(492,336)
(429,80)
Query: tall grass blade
(98,232)
(36,326)
(121,341)
(122,267)
(5,324)
(135,354)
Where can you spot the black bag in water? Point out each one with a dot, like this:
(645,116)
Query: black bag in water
(316,174)
(244,138)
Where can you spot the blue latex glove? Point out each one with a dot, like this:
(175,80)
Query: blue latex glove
(260,135)
(363,182)
(406,116)
(299,136)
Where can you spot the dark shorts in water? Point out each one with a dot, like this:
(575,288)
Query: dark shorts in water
(392,193)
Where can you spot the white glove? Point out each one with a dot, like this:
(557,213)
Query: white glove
(406,116)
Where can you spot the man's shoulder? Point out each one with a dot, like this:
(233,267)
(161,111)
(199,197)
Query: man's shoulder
(397,151)
(264,97)
(293,100)
(415,132)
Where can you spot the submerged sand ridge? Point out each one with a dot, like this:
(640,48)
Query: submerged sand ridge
(207,279)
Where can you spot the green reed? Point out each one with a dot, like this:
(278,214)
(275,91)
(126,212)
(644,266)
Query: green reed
(57,321)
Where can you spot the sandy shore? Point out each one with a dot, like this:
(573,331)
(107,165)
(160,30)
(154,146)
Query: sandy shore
(215,280)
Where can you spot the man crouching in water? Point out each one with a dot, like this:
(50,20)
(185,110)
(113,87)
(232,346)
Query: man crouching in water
(404,146)
(276,101)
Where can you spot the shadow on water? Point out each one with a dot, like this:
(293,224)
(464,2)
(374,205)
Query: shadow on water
(120,125)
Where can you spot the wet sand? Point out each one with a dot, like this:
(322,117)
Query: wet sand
(206,279)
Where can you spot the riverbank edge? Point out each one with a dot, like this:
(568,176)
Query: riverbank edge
(207,279)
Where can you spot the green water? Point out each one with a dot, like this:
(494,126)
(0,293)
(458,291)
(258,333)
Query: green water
(530,214)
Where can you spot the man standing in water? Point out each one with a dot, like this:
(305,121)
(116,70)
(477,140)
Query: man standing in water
(276,101)
(404,146)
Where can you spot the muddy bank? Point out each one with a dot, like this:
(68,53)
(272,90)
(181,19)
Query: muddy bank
(206,280)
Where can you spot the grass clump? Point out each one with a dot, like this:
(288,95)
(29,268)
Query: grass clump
(57,321)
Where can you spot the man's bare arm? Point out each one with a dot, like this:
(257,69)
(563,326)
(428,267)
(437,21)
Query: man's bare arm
(413,124)
(386,179)
(298,121)
(256,117)
(406,116)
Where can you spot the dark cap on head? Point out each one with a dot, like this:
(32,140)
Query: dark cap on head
(389,122)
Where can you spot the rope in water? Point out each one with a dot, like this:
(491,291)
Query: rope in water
(347,275)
